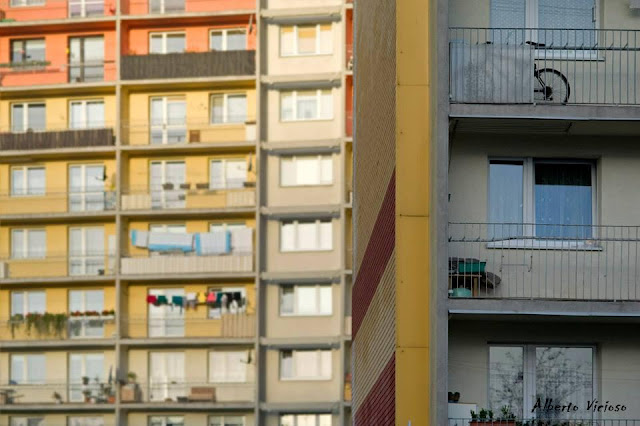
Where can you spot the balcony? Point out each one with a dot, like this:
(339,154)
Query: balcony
(54,139)
(62,326)
(557,262)
(39,10)
(188,197)
(533,66)
(56,266)
(545,422)
(94,202)
(169,7)
(193,133)
(188,65)
(47,73)
(191,392)
(186,324)
(186,264)
(95,395)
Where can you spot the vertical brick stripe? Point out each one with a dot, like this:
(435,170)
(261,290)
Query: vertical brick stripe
(379,407)
(376,256)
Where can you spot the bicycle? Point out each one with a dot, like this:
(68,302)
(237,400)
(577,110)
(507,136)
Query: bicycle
(550,84)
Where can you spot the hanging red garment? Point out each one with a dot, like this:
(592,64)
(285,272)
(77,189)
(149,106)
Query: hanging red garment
(152,299)
(211,297)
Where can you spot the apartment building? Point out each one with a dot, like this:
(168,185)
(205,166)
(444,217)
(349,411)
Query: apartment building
(503,210)
(175,212)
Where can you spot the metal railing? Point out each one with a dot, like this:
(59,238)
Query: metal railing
(188,196)
(188,64)
(188,390)
(541,422)
(45,72)
(41,200)
(178,324)
(529,261)
(51,139)
(186,264)
(95,391)
(57,326)
(52,265)
(535,65)
(188,131)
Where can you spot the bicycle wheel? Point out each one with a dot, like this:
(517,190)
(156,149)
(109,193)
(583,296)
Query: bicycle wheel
(555,86)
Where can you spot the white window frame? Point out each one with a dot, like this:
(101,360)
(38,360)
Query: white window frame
(26,294)
(25,181)
(225,108)
(164,321)
(84,256)
(295,418)
(84,321)
(83,104)
(294,97)
(169,388)
(26,420)
(318,288)
(529,358)
(164,35)
(222,419)
(85,421)
(25,366)
(83,367)
(294,158)
(25,236)
(295,377)
(26,3)
(528,205)
(164,125)
(227,354)
(83,8)
(25,116)
(225,163)
(86,198)
(318,41)
(296,223)
(225,33)
(164,418)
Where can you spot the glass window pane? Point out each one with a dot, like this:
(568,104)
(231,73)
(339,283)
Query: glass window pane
(215,40)
(236,40)
(324,419)
(17,303)
(17,369)
(94,300)
(37,301)
(326,236)
(175,43)
(287,237)
(564,374)
(37,242)
(326,104)
(306,364)
(35,50)
(326,170)
(306,39)
(506,374)
(563,200)
(237,109)
(18,182)
(176,112)
(307,238)
(307,170)
(326,39)
(17,118)
(286,364)
(505,198)
(36,181)
(306,420)
(36,119)
(76,301)
(287,171)
(287,293)
(18,249)
(286,106)
(36,369)
(287,35)
(216,175)
(95,114)
(236,173)
(563,17)
(307,105)
(76,115)
(157,111)
(155,43)
(326,300)
(326,362)
(217,109)
(17,51)
(307,302)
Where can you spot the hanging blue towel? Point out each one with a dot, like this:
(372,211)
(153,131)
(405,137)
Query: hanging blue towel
(167,241)
(139,238)
(213,243)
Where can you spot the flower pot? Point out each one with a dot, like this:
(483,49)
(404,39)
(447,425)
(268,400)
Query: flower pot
(492,423)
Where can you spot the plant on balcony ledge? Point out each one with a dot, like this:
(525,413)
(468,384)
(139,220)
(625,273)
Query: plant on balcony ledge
(485,418)
(25,64)
(43,324)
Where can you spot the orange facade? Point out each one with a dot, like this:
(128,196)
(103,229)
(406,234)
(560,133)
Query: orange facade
(135,35)
(141,7)
(55,9)
(58,66)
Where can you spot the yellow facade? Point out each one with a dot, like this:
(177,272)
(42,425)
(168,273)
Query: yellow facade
(57,109)
(198,115)
(56,194)
(56,261)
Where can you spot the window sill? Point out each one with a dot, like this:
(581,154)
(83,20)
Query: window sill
(305,379)
(307,251)
(305,55)
(305,315)
(534,244)
(305,120)
(317,185)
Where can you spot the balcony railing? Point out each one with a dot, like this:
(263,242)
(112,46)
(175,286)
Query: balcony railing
(57,202)
(544,66)
(52,139)
(166,7)
(188,65)
(50,326)
(45,72)
(186,264)
(240,325)
(529,261)
(29,10)
(190,390)
(60,265)
(188,196)
(173,132)
(56,392)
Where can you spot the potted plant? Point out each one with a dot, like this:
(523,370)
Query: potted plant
(485,418)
